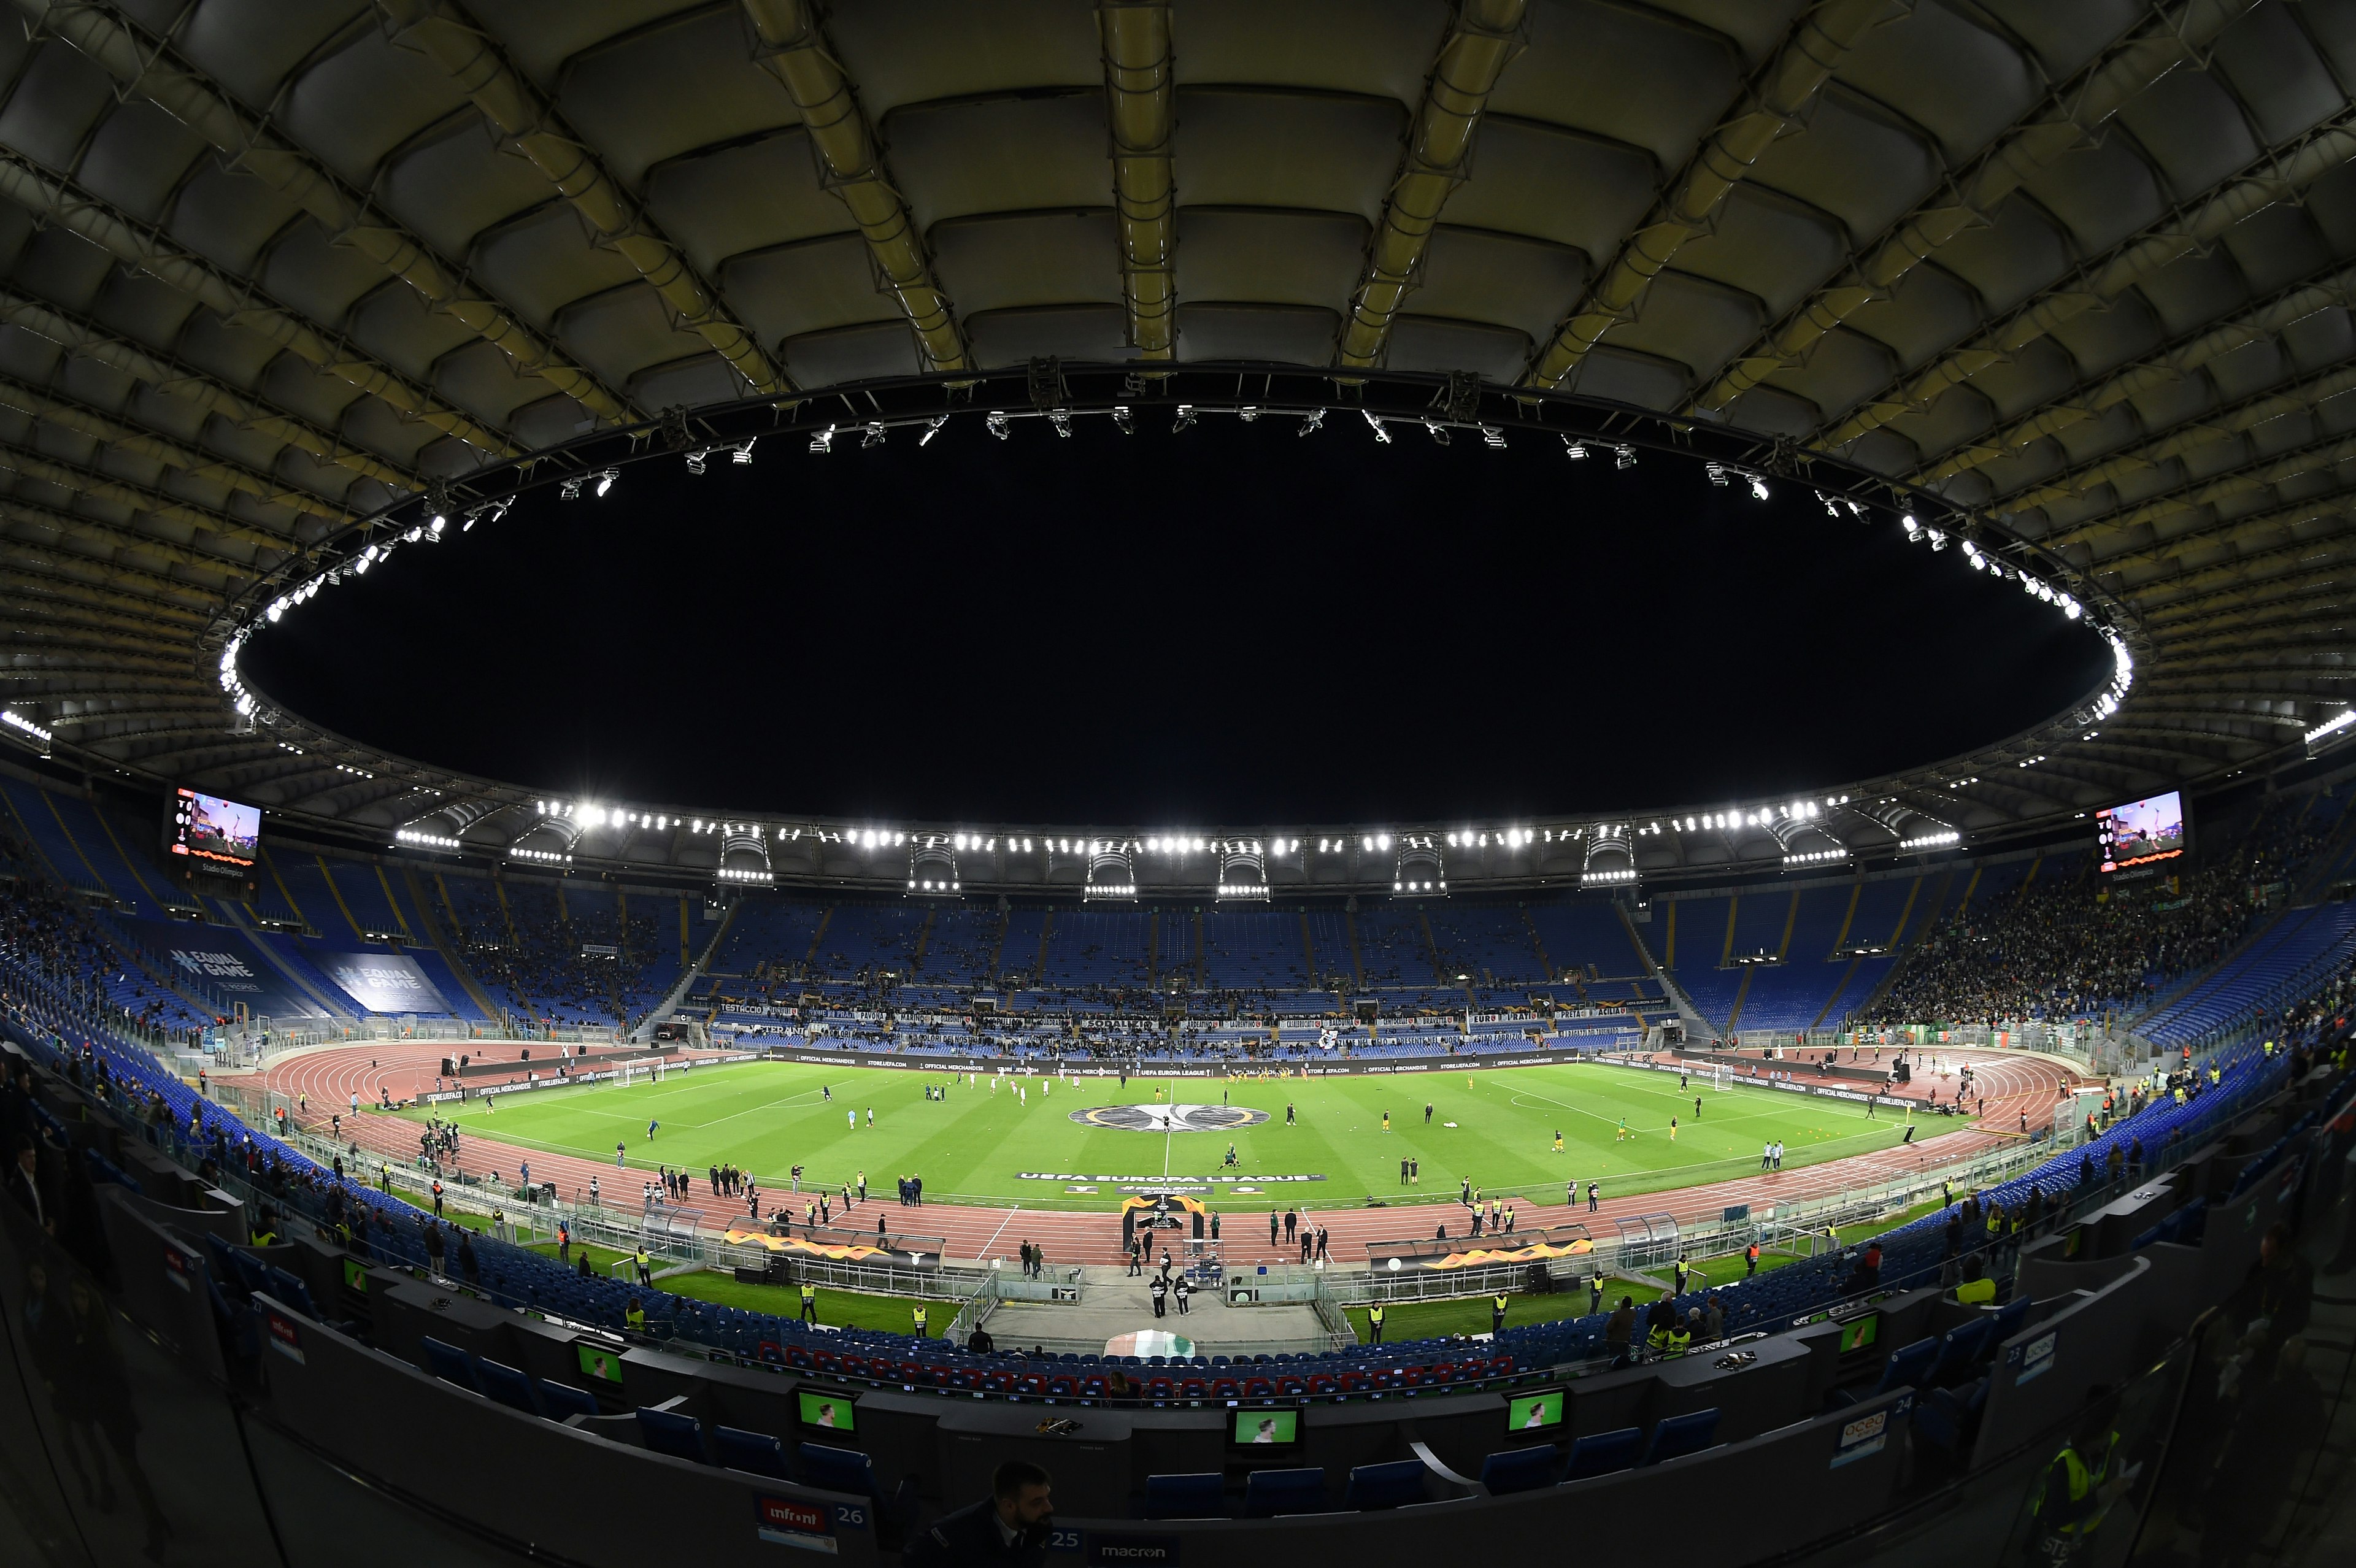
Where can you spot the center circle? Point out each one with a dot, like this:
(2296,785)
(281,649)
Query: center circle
(1170,1118)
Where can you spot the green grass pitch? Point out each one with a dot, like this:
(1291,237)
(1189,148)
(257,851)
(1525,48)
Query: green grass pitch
(1495,1128)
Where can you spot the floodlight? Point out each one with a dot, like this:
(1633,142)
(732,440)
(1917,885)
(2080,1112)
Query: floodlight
(874,434)
(1375,424)
(932,428)
(605,480)
(1624,457)
(1574,449)
(822,441)
(1758,488)
(1314,421)
(1185,418)
(695,459)
(1121,421)
(744,454)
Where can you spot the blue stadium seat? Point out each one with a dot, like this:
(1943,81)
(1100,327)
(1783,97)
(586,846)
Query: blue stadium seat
(1601,1453)
(1966,1346)
(450,1364)
(1907,1368)
(1272,1492)
(1201,1496)
(507,1385)
(833,1470)
(1522,1469)
(1393,1485)
(1678,1435)
(756,1453)
(669,1431)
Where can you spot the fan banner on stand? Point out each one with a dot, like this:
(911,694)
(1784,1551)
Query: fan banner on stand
(219,963)
(383,981)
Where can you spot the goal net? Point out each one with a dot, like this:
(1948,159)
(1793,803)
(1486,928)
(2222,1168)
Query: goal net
(1721,1076)
(650,1068)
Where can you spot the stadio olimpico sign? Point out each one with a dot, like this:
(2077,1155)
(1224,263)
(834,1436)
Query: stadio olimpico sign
(1170,1118)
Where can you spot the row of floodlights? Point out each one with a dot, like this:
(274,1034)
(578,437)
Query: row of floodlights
(2031,583)
(1601,878)
(430,840)
(1765,817)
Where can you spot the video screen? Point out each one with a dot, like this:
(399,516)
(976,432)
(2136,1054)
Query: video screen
(207,827)
(597,1361)
(828,1411)
(1264,1428)
(1859,1333)
(1534,1412)
(2141,831)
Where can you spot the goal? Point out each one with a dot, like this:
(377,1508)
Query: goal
(1721,1076)
(640,1071)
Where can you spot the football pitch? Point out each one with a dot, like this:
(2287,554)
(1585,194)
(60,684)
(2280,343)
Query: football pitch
(978,1144)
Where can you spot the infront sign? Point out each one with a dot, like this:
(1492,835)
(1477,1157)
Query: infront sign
(786,1522)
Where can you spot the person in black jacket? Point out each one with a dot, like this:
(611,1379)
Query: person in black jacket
(1012,1525)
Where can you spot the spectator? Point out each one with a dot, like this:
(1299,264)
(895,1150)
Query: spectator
(1012,1525)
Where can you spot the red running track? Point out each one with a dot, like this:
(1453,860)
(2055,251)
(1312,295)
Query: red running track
(2014,1085)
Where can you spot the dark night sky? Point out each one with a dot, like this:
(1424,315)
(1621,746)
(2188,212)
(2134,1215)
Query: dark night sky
(1230,625)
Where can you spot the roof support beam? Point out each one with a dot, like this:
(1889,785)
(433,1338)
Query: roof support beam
(147,65)
(81,336)
(118,584)
(161,619)
(456,44)
(83,420)
(1778,93)
(2221,424)
(795,50)
(2069,117)
(203,525)
(2256,476)
(96,534)
(2279,174)
(1481,39)
(1141,104)
(2180,360)
(52,199)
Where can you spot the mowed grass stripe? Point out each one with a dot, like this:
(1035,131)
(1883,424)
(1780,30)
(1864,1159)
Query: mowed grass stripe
(769,1116)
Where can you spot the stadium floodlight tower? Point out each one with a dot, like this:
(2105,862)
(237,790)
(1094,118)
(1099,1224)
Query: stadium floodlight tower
(1112,872)
(1610,860)
(1420,874)
(933,867)
(1243,871)
(744,856)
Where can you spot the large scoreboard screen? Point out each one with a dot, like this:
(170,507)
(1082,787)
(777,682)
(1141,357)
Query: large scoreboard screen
(2141,832)
(207,827)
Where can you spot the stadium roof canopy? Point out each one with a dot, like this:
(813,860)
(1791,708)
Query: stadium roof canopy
(275,267)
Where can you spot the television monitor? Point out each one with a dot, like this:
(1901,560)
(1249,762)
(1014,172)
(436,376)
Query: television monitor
(2142,832)
(1859,1333)
(1267,1428)
(1540,1412)
(207,827)
(823,1411)
(597,1361)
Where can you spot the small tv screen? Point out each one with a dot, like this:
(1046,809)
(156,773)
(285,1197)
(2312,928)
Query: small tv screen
(597,1361)
(2142,832)
(355,1276)
(1859,1333)
(1267,1428)
(1534,1412)
(828,1411)
(207,827)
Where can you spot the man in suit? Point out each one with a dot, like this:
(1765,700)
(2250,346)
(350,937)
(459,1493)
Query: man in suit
(1013,1524)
